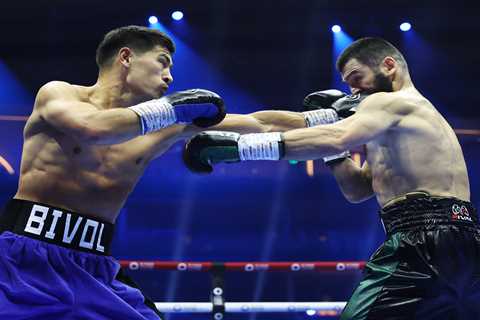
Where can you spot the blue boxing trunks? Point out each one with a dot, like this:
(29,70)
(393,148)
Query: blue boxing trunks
(55,264)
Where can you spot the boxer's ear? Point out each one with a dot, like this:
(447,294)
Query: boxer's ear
(124,56)
(389,65)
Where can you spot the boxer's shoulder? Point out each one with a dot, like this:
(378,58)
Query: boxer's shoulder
(391,103)
(60,90)
(55,88)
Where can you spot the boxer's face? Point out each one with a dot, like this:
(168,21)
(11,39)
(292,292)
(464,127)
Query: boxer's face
(149,72)
(362,78)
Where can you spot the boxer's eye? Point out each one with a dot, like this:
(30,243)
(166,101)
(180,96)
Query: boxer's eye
(355,80)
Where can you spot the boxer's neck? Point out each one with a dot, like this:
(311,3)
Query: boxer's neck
(402,82)
(110,91)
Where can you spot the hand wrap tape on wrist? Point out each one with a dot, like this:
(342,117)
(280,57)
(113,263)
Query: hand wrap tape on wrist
(154,115)
(320,116)
(259,146)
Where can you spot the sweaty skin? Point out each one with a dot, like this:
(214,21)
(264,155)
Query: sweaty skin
(82,147)
(94,176)
(63,170)
(410,147)
(420,153)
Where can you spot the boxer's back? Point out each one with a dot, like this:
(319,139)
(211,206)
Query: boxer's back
(421,153)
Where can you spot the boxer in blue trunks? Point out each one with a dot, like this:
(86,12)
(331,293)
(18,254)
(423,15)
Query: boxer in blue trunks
(84,150)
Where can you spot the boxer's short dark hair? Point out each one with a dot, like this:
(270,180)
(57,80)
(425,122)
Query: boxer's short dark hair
(371,52)
(137,38)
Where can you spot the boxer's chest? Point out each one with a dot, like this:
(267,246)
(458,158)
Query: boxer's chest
(125,160)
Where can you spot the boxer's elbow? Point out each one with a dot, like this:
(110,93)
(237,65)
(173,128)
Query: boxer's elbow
(357,192)
(355,187)
(358,197)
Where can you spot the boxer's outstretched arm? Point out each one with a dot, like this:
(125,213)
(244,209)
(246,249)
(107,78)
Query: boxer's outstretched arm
(58,105)
(355,182)
(376,114)
(262,121)
(257,122)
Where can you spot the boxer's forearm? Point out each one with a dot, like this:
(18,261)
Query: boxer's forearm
(279,121)
(262,121)
(313,143)
(354,182)
(257,122)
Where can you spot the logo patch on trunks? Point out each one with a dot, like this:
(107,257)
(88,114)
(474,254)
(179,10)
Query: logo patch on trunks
(460,213)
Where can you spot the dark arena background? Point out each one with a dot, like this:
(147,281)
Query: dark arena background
(258,55)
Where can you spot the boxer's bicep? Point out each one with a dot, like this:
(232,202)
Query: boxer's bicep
(375,115)
(373,118)
(362,128)
(325,140)
(70,118)
(58,107)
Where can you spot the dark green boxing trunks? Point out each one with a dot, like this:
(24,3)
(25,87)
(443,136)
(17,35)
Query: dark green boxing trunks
(429,266)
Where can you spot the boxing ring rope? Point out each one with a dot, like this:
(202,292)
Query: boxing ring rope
(320,308)
(244,266)
(218,307)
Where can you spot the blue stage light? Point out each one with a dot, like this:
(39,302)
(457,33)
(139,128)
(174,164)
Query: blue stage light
(177,15)
(336,28)
(405,26)
(152,20)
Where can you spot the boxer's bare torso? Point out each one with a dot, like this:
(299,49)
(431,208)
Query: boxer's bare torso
(420,153)
(95,178)
(409,146)
(92,179)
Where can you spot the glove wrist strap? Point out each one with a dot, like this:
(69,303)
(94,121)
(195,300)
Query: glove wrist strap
(320,116)
(260,146)
(155,114)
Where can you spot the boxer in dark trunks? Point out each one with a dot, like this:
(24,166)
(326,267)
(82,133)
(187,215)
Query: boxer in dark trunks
(429,266)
